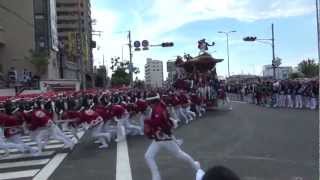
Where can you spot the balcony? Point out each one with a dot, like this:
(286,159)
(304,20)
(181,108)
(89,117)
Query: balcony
(2,41)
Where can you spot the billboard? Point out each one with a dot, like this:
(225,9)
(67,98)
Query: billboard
(53,25)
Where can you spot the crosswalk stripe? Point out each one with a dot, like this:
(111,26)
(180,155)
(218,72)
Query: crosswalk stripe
(50,142)
(24,163)
(26,139)
(47,148)
(46,172)
(14,164)
(21,156)
(19,174)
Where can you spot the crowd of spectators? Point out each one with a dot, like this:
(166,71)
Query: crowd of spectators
(282,94)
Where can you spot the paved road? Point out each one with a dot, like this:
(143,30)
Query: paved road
(258,143)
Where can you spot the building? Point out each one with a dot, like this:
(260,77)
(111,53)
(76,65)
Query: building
(75,34)
(24,26)
(242,78)
(171,69)
(154,73)
(282,72)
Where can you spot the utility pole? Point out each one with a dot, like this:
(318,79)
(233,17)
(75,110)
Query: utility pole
(318,28)
(131,65)
(228,54)
(273,53)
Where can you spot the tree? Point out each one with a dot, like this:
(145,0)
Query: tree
(120,71)
(309,68)
(296,75)
(40,61)
(120,77)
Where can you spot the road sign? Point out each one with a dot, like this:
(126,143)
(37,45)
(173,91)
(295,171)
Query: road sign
(145,43)
(137,44)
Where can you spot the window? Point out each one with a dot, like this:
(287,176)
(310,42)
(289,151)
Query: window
(66,4)
(67,13)
(66,29)
(66,21)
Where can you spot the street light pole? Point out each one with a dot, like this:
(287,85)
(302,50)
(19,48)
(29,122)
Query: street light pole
(228,53)
(273,53)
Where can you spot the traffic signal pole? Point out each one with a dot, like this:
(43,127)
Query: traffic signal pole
(273,53)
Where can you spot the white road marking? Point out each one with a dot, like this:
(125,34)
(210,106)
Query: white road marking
(50,142)
(47,147)
(49,165)
(19,156)
(46,172)
(27,139)
(123,171)
(19,174)
(24,163)
(242,102)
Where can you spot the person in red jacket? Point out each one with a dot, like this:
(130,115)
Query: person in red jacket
(144,111)
(159,129)
(119,115)
(186,106)
(95,122)
(131,127)
(13,130)
(42,128)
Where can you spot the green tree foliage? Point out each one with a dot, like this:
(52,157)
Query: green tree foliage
(296,75)
(309,68)
(120,77)
(120,71)
(40,61)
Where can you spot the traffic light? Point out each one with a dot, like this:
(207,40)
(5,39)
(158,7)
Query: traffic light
(250,38)
(167,44)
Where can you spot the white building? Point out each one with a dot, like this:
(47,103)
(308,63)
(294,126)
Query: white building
(154,73)
(282,72)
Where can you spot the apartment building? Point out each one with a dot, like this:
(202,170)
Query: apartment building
(75,33)
(154,73)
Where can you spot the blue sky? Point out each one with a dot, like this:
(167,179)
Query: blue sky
(186,21)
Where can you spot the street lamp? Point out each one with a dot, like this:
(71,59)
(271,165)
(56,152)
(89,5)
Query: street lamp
(227,34)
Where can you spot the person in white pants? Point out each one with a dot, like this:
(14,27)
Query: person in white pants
(6,146)
(159,128)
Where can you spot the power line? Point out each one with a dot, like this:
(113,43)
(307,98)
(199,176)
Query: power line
(16,15)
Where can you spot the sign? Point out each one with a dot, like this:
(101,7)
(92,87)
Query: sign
(145,43)
(136,44)
(59,85)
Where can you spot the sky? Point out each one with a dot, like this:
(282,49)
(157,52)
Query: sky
(184,22)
